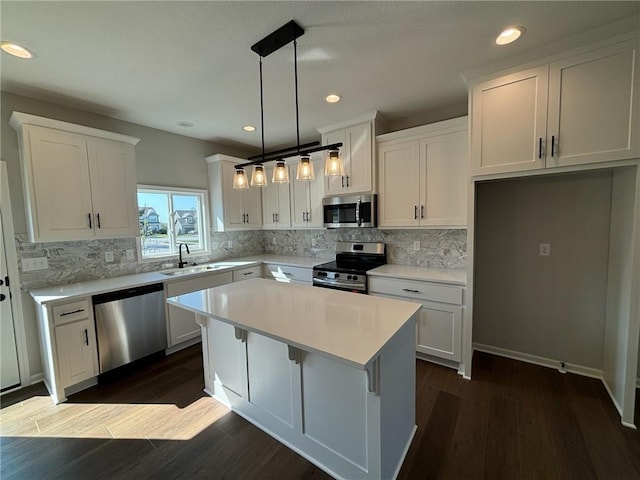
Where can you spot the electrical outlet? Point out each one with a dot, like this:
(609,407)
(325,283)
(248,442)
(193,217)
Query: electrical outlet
(314,242)
(108,257)
(129,254)
(416,245)
(229,243)
(544,249)
(30,264)
(273,241)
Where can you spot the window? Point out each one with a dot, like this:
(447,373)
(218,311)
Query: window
(169,217)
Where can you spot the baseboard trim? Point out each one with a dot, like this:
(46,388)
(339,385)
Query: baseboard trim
(538,360)
(613,399)
(38,377)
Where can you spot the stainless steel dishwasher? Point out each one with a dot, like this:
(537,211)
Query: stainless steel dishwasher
(130,324)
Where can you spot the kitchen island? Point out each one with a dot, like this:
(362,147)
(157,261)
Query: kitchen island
(330,374)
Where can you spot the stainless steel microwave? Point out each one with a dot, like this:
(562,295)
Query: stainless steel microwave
(350,211)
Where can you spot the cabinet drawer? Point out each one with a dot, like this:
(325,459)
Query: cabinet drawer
(284,273)
(70,312)
(200,283)
(247,273)
(416,289)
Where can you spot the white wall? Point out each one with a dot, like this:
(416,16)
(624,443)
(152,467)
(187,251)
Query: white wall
(553,306)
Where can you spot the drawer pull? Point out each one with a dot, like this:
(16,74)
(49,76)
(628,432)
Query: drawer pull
(410,290)
(287,273)
(248,273)
(72,312)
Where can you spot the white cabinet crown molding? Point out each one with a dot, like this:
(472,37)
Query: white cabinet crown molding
(430,130)
(18,119)
(374,116)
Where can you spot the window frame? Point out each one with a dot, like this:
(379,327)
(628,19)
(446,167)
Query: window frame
(204,224)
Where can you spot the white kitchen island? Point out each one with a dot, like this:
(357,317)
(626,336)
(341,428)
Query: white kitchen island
(328,373)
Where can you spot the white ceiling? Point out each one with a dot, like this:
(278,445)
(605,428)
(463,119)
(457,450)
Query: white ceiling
(156,63)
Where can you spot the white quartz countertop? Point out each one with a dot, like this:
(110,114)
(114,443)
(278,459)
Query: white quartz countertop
(348,327)
(54,294)
(407,272)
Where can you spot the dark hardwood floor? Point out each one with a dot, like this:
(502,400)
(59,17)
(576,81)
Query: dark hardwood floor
(152,420)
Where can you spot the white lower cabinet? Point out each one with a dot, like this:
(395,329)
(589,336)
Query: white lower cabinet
(69,348)
(287,274)
(181,325)
(439,327)
(247,273)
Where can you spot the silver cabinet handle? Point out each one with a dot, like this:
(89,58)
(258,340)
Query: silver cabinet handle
(342,181)
(347,181)
(98,220)
(247,218)
(287,273)
(421,211)
(410,290)
(553,145)
(277,218)
(89,217)
(72,312)
(86,336)
(540,147)
(415,212)
(248,273)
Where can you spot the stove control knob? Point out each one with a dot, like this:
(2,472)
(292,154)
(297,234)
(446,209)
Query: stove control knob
(337,275)
(348,277)
(355,277)
(323,274)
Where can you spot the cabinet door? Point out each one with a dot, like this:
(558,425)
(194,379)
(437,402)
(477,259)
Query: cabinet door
(252,201)
(335,184)
(113,188)
(227,363)
(77,353)
(509,119)
(359,170)
(593,112)
(270,203)
(439,331)
(232,199)
(444,192)
(315,217)
(182,324)
(59,188)
(299,200)
(399,187)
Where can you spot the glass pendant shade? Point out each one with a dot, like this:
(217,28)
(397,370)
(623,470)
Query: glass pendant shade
(305,168)
(280,173)
(333,165)
(259,176)
(240,179)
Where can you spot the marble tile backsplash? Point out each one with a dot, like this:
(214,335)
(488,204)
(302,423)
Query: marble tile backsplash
(78,261)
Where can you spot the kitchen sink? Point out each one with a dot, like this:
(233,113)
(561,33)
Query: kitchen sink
(191,270)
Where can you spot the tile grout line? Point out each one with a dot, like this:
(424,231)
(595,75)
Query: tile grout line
(37,426)
(152,444)
(110,432)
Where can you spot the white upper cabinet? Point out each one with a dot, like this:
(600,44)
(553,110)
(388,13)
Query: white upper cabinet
(423,176)
(79,182)
(232,209)
(306,198)
(578,110)
(358,154)
(276,205)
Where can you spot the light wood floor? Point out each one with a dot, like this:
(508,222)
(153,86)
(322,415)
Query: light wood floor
(152,420)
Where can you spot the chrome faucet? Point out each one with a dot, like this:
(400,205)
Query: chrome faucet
(181,264)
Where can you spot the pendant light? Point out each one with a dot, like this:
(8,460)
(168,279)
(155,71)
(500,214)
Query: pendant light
(284,35)
(259,176)
(240,179)
(280,172)
(333,165)
(305,168)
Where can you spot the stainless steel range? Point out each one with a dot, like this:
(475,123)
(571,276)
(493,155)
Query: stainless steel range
(349,270)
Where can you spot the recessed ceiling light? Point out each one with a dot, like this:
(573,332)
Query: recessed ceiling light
(510,34)
(184,124)
(16,50)
(249,128)
(332,98)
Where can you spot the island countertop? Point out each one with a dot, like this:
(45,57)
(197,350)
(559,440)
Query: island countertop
(348,327)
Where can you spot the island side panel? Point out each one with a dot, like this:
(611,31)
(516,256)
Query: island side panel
(397,398)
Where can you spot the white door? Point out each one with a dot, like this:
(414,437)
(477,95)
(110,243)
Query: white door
(9,373)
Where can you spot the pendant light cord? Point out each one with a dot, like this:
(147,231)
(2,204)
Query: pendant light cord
(262,110)
(295,69)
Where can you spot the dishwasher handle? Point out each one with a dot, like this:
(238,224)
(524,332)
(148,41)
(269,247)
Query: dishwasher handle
(127,293)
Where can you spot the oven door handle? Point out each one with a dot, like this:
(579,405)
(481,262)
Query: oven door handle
(338,284)
(358,219)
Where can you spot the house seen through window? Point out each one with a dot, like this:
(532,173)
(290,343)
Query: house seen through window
(169,217)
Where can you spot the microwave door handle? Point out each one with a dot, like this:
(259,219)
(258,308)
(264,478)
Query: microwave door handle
(358,219)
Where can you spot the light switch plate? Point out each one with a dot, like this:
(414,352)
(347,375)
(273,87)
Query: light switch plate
(30,264)
(416,245)
(229,243)
(544,249)
(108,257)
(129,254)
